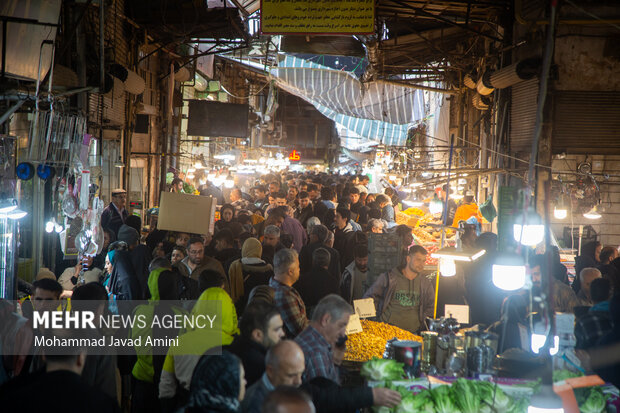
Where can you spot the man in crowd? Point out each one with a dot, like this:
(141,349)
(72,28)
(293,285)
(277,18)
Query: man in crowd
(587,276)
(591,327)
(286,298)
(357,207)
(274,188)
(211,190)
(318,239)
(345,235)
(564,298)
(225,249)
(260,195)
(237,201)
(291,196)
(375,225)
(292,226)
(196,261)
(261,328)
(403,297)
(317,282)
(353,281)
(281,199)
(176,185)
(286,399)
(313,193)
(115,214)
(284,366)
(39,392)
(329,322)
(305,209)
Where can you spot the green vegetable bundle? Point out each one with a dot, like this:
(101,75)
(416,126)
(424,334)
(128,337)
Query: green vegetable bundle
(589,399)
(383,370)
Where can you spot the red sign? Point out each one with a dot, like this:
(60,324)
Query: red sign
(294,156)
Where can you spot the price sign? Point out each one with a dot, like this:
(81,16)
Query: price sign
(354,326)
(459,312)
(365,308)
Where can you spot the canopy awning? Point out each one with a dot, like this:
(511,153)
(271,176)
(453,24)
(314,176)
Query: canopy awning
(377,110)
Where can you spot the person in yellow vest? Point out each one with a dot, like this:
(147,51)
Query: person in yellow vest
(467,210)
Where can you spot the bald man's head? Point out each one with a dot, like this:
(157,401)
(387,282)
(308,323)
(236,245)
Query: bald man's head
(286,399)
(586,276)
(284,364)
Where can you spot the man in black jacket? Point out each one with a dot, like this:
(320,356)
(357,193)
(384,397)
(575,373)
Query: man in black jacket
(261,328)
(115,214)
(305,210)
(317,282)
(318,237)
(43,391)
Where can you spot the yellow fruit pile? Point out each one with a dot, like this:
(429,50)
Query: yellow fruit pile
(371,342)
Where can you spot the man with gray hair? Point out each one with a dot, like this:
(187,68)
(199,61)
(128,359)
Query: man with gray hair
(271,236)
(586,276)
(375,225)
(286,299)
(317,282)
(319,238)
(284,366)
(329,322)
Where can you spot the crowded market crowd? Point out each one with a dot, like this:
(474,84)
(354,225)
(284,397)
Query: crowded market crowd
(287,258)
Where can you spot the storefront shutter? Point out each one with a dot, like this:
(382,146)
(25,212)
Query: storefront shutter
(523,115)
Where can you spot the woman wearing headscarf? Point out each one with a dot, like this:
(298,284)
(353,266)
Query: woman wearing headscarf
(124,284)
(182,358)
(248,272)
(218,384)
(227,215)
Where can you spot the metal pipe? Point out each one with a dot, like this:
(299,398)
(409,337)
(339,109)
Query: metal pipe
(101,75)
(11,110)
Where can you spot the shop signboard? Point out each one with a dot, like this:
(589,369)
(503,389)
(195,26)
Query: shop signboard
(325,17)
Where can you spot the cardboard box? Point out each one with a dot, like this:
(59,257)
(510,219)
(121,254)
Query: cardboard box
(193,214)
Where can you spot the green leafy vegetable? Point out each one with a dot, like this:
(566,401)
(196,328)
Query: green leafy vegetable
(595,403)
(423,402)
(382,369)
(519,405)
(442,398)
(560,375)
(466,396)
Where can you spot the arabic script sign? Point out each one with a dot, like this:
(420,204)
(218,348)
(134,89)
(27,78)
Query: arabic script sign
(317,16)
(294,156)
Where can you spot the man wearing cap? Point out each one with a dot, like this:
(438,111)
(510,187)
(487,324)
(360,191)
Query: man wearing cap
(115,214)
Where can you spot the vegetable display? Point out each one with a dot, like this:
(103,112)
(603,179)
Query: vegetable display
(371,342)
(383,370)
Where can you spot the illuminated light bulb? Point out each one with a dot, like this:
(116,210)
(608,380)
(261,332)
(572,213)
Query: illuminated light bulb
(58,228)
(509,277)
(17,214)
(538,341)
(447,268)
(529,234)
(49,227)
(592,214)
(560,213)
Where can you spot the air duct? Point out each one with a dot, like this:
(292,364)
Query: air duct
(484,85)
(133,83)
(510,75)
(480,102)
(469,81)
